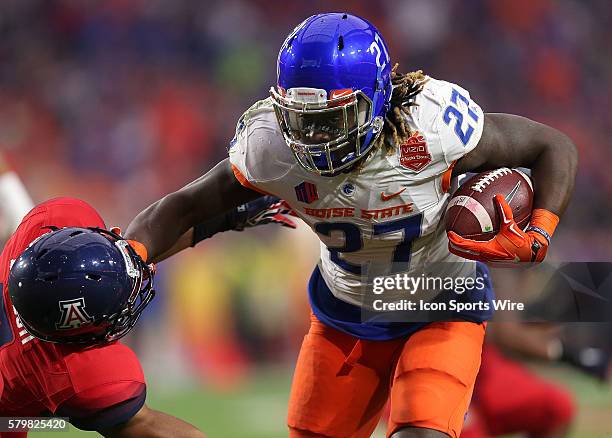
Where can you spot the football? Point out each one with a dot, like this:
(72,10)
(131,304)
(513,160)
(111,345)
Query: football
(472,212)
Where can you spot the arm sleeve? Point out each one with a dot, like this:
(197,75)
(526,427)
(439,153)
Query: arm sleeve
(460,122)
(109,386)
(258,153)
(451,120)
(104,407)
(218,224)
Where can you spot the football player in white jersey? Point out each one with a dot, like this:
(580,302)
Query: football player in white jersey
(365,156)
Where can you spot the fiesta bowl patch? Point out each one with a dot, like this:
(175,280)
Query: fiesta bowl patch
(414,154)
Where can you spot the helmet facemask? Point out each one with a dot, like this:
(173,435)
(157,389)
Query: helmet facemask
(142,290)
(325,135)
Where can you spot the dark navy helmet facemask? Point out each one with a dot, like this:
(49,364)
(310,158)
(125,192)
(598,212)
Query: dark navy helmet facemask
(333,91)
(80,285)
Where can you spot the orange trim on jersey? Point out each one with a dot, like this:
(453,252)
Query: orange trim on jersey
(245,182)
(446,177)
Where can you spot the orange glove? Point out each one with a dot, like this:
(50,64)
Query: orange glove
(140,249)
(510,244)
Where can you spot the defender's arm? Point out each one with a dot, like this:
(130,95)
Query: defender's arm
(162,224)
(148,423)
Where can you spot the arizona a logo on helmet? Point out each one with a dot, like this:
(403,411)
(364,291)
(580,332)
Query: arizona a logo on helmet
(74,314)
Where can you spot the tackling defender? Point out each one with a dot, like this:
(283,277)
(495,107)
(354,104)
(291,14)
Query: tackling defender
(67,296)
(365,156)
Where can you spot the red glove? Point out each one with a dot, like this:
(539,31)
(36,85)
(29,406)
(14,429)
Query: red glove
(510,244)
(265,210)
(276,213)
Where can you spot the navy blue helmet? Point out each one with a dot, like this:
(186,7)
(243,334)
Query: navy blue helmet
(84,285)
(333,90)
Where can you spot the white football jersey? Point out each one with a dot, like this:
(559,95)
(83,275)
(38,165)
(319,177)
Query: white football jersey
(386,214)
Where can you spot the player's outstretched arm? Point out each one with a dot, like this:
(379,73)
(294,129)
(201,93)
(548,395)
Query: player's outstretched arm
(163,223)
(264,210)
(514,141)
(148,423)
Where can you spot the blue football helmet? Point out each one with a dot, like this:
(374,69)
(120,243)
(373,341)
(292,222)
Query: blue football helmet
(333,90)
(84,285)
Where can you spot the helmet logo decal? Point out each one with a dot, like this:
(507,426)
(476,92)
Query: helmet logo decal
(311,63)
(341,97)
(307,95)
(74,314)
(335,94)
(375,47)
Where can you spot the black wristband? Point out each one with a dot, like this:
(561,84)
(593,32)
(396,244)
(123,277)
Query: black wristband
(539,231)
(218,224)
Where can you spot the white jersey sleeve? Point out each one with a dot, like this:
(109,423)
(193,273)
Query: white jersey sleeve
(258,153)
(449,117)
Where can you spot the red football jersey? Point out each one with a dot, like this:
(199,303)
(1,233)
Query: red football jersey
(97,386)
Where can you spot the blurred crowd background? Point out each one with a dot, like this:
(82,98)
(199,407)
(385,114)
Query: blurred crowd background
(121,101)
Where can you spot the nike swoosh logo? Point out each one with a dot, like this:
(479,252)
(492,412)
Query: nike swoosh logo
(505,220)
(385,197)
(463,250)
(335,94)
(513,192)
(515,230)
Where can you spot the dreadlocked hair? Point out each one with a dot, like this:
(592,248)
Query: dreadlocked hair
(406,86)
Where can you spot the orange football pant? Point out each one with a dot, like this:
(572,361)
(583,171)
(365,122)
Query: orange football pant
(341,383)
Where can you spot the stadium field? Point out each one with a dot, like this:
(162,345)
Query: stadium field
(257,409)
